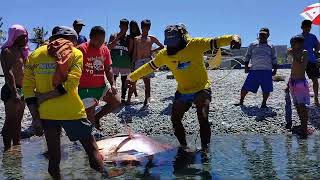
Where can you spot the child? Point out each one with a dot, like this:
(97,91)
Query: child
(96,66)
(298,85)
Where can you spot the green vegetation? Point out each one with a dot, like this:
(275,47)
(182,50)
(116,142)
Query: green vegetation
(39,35)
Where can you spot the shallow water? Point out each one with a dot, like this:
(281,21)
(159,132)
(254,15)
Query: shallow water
(232,157)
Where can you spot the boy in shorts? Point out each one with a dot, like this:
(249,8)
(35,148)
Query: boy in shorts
(96,66)
(298,85)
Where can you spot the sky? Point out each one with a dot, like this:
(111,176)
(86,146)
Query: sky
(204,18)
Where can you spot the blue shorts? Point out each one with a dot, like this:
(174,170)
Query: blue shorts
(257,78)
(190,98)
(75,129)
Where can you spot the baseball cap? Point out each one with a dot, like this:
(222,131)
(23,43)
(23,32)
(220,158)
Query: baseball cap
(264,31)
(172,35)
(64,31)
(78,22)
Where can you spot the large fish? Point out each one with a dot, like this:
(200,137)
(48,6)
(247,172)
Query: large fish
(133,148)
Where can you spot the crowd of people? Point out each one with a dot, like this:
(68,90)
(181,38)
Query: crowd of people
(62,82)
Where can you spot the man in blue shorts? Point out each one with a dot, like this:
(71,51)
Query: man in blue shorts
(262,57)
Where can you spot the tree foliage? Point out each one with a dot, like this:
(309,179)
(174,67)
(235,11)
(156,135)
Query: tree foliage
(39,35)
(2,33)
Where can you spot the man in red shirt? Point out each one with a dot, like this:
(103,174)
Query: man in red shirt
(96,66)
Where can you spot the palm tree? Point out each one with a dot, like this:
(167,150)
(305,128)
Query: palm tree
(2,33)
(38,36)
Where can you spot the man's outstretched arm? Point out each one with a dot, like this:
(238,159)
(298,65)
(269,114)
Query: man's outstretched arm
(233,40)
(144,70)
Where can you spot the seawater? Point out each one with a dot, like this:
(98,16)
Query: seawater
(231,157)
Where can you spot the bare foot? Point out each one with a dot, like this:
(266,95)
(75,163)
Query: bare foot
(146,102)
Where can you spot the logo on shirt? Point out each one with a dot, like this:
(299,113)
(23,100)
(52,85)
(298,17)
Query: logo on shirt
(95,66)
(45,68)
(183,65)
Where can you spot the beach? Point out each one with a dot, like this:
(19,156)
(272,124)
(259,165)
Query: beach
(246,142)
(225,118)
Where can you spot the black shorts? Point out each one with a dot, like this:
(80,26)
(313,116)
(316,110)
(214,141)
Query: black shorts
(75,129)
(189,98)
(6,93)
(312,70)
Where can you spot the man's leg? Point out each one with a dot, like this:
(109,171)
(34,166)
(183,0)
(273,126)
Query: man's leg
(123,89)
(250,84)
(91,116)
(113,103)
(303,116)
(92,150)
(315,85)
(266,84)
(130,93)
(242,96)
(178,110)
(202,102)
(52,133)
(264,101)
(9,123)
(147,90)
(20,110)
(135,92)
(115,78)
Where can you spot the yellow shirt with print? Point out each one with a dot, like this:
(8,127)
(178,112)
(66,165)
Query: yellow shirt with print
(39,71)
(187,65)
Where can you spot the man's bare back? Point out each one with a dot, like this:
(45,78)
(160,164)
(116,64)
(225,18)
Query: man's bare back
(12,61)
(299,64)
(144,46)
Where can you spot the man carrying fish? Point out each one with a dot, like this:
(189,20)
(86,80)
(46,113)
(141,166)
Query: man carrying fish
(51,80)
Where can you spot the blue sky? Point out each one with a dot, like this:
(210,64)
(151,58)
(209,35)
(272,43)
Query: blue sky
(204,18)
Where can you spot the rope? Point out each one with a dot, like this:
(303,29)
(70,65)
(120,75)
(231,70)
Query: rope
(218,80)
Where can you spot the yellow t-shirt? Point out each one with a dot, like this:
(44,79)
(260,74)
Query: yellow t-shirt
(39,71)
(187,65)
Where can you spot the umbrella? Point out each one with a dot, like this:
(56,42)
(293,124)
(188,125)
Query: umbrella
(312,13)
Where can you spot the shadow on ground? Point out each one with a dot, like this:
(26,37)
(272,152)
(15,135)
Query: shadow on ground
(167,111)
(129,112)
(260,114)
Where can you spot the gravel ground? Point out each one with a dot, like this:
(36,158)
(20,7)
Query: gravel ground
(224,116)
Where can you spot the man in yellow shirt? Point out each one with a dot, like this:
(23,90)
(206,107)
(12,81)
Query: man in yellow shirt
(184,57)
(50,87)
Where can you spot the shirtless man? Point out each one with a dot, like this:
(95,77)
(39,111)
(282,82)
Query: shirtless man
(143,54)
(13,56)
(298,84)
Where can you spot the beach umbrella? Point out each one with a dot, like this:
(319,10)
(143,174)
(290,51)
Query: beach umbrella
(312,13)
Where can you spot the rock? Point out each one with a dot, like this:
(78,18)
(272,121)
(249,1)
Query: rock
(170,76)
(278,78)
